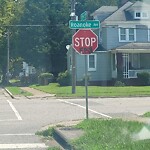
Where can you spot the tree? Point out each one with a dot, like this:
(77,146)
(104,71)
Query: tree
(10,11)
(43,45)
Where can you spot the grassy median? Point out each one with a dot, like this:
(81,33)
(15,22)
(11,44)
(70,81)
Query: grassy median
(112,135)
(95,91)
(17,91)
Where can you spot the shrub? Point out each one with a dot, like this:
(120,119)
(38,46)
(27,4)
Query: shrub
(119,83)
(45,78)
(143,78)
(64,78)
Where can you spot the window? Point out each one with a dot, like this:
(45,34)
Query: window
(137,15)
(92,62)
(141,15)
(144,15)
(134,61)
(126,35)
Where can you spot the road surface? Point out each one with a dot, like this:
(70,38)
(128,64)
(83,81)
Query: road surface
(21,118)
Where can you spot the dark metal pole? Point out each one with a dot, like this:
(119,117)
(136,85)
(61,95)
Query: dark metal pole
(86,87)
(73,17)
(8,48)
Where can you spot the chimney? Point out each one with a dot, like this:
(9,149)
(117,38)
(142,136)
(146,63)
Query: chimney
(122,2)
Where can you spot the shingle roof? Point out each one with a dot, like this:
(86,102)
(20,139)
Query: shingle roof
(138,5)
(120,14)
(133,47)
(145,45)
(104,9)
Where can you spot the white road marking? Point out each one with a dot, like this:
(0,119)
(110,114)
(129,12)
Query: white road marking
(21,146)
(15,111)
(104,115)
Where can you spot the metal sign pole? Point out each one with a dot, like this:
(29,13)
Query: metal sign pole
(86,87)
(8,47)
(73,17)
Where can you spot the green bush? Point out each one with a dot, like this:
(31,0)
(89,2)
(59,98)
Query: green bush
(64,78)
(143,78)
(119,83)
(45,78)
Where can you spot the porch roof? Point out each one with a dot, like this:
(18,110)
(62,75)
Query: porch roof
(133,48)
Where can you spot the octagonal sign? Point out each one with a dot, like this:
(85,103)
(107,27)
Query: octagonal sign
(85,42)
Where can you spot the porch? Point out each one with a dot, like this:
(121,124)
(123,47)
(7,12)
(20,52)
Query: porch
(131,59)
(135,63)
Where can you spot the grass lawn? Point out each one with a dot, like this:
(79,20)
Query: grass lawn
(147,114)
(114,134)
(95,91)
(110,135)
(18,91)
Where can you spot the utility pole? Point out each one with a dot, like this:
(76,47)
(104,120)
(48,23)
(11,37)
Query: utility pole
(73,17)
(8,50)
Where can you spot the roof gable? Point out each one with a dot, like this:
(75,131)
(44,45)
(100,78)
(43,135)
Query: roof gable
(119,15)
(138,5)
(104,9)
(103,12)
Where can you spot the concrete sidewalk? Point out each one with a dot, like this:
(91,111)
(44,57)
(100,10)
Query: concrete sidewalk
(36,93)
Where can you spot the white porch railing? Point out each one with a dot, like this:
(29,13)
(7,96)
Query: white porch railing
(133,73)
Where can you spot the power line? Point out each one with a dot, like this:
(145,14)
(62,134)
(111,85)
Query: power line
(34,25)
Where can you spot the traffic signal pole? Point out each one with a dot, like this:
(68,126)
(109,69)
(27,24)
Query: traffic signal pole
(73,17)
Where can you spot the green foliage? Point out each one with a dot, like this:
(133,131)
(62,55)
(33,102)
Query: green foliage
(143,78)
(64,78)
(147,114)
(46,133)
(16,66)
(54,148)
(10,12)
(45,78)
(119,83)
(18,91)
(42,45)
(110,135)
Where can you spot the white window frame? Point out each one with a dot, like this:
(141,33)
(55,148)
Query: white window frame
(135,15)
(127,35)
(141,15)
(95,62)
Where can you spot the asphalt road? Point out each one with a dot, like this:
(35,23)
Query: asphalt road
(20,118)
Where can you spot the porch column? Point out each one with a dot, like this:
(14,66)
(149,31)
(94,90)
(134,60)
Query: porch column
(119,66)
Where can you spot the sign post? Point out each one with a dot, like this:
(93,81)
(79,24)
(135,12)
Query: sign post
(86,88)
(85,42)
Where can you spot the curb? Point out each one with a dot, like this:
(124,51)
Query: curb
(9,93)
(61,139)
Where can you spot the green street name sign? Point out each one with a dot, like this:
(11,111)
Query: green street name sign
(88,24)
(84,16)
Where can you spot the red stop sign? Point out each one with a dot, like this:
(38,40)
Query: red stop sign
(85,41)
